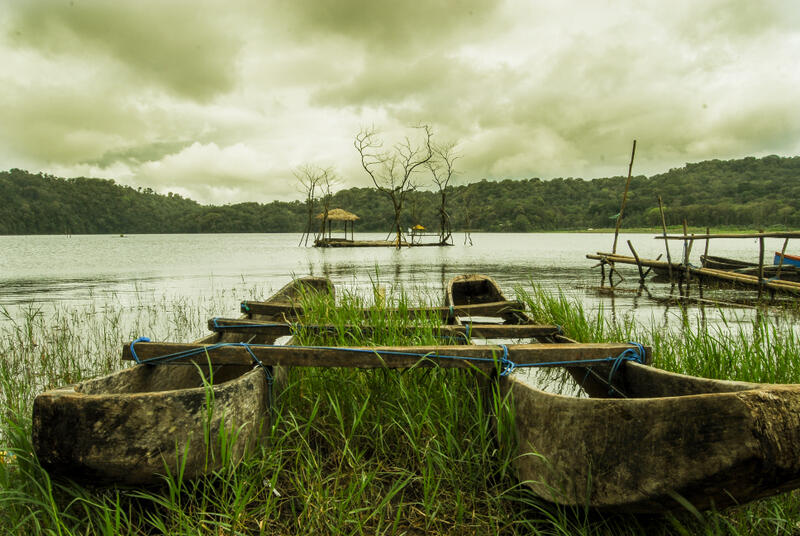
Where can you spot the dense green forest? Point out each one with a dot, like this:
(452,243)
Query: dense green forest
(750,192)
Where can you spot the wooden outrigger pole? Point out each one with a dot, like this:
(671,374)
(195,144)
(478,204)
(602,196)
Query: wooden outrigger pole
(484,357)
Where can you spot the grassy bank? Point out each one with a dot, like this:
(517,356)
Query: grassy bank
(353,452)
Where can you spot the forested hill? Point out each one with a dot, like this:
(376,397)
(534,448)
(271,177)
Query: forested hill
(751,192)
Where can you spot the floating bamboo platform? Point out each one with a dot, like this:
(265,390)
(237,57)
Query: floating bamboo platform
(659,267)
(706,274)
(343,243)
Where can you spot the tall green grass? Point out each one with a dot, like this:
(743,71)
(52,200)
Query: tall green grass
(352,451)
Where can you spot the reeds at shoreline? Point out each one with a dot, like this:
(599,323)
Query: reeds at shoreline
(354,452)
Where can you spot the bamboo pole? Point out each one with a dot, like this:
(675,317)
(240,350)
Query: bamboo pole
(793,234)
(624,199)
(760,264)
(477,309)
(780,263)
(664,231)
(705,253)
(277,329)
(686,255)
(752,280)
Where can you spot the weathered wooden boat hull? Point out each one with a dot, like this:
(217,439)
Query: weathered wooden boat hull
(711,444)
(659,442)
(120,429)
(724,263)
(471,289)
(136,425)
(789,272)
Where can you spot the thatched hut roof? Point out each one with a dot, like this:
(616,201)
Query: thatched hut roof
(337,214)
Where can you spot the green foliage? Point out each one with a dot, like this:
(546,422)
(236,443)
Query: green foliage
(751,193)
(352,451)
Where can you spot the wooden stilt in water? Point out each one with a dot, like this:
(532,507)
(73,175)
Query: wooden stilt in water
(780,263)
(760,264)
(638,263)
(664,231)
(686,254)
(602,273)
(624,199)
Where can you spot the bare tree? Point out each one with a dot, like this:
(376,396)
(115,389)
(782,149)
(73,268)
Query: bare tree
(392,171)
(469,199)
(442,168)
(328,180)
(317,184)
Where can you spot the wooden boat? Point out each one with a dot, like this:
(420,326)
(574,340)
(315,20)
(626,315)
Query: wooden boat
(792,260)
(724,263)
(133,426)
(788,271)
(649,441)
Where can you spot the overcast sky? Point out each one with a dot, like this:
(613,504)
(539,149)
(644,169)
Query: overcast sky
(221,101)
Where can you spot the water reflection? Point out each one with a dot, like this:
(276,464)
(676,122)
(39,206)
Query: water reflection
(93,269)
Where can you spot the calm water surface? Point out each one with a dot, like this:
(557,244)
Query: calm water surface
(86,270)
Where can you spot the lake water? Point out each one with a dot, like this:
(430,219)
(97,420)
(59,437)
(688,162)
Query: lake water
(87,270)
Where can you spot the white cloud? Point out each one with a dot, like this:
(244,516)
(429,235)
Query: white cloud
(222,104)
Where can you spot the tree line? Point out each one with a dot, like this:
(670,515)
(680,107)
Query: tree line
(749,192)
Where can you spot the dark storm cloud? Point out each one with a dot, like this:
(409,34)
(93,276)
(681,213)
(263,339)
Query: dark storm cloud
(183,47)
(222,101)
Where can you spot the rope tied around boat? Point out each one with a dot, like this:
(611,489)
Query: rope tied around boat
(167,358)
(635,354)
(507,366)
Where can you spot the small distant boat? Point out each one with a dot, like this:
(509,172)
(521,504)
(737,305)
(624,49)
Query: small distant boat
(647,440)
(791,260)
(133,426)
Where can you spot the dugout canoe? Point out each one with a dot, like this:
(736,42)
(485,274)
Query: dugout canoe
(133,426)
(789,272)
(724,263)
(651,441)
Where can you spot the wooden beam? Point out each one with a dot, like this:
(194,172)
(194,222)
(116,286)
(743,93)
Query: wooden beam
(381,357)
(487,331)
(785,234)
(480,309)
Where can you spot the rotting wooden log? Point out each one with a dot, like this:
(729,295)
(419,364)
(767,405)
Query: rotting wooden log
(483,309)
(277,329)
(382,356)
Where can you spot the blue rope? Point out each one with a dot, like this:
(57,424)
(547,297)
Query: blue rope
(636,354)
(196,351)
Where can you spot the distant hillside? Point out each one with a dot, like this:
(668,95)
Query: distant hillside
(749,192)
